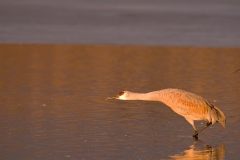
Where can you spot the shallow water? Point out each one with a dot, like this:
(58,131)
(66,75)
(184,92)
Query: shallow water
(53,102)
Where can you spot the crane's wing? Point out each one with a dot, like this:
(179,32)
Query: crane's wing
(194,107)
(190,104)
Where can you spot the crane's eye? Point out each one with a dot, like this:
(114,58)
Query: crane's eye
(121,93)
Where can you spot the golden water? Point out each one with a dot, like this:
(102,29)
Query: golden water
(52,102)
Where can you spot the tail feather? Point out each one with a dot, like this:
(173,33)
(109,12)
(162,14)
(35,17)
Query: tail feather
(218,116)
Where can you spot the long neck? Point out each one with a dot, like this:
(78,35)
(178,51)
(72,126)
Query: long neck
(151,96)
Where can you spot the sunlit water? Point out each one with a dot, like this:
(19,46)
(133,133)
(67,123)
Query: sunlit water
(52,102)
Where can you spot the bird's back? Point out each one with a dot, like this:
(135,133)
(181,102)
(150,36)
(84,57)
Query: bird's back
(191,106)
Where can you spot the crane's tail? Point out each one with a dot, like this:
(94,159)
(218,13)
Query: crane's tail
(218,116)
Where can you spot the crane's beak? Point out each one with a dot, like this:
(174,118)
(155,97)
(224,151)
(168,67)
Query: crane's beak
(115,97)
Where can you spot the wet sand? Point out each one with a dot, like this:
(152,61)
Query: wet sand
(136,22)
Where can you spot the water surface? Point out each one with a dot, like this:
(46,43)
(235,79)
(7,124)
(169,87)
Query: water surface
(52,102)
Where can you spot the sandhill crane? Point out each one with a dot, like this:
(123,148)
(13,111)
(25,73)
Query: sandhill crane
(189,105)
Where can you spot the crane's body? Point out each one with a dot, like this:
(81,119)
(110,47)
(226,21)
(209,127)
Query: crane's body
(189,105)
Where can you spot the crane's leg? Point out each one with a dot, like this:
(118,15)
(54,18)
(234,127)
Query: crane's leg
(197,132)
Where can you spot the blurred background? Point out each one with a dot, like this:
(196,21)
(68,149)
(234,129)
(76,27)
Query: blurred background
(138,22)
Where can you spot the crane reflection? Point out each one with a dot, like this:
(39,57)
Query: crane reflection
(201,151)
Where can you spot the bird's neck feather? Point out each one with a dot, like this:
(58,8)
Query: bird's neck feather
(151,96)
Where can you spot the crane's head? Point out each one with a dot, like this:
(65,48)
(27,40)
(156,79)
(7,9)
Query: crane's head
(121,96)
